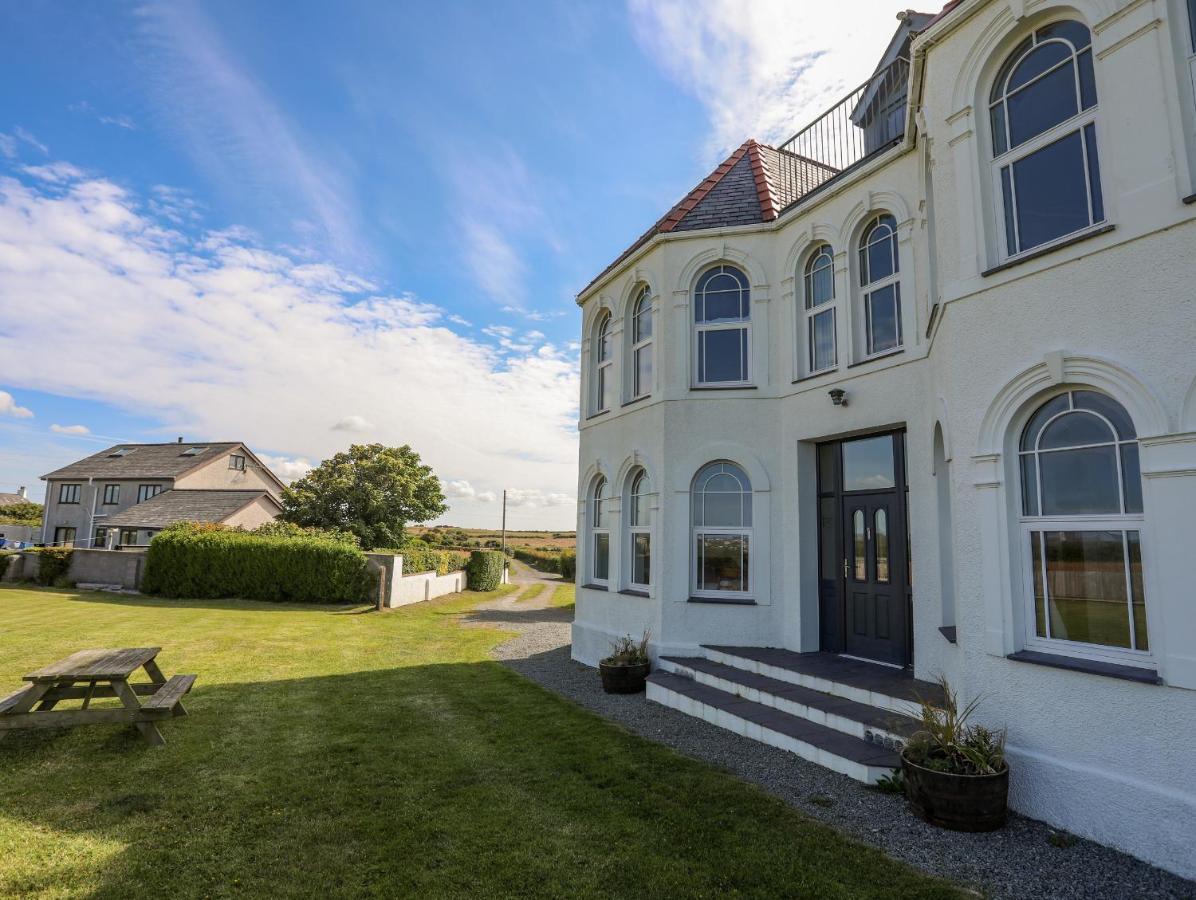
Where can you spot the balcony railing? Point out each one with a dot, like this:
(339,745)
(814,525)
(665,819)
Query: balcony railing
(866,122)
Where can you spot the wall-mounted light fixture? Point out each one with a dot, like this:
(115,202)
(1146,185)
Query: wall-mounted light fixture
(838,396)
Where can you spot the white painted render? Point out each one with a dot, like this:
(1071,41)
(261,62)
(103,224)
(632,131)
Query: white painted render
(1105,758)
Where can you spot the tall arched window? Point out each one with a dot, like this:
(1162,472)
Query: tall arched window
(819,293)
(599,515)
(639,530)
(603,365)
(722,327)
(1082,519)
(1042,109)
(880,281)
(641,344)
(722,531)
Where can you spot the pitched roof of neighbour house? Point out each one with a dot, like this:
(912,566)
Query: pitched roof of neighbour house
(151,461)
(12,499)
(185,506)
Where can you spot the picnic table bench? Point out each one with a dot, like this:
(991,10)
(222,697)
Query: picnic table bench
(90,674)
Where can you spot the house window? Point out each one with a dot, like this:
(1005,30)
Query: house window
(101,539)
(819,290)
(236,462)
(111,494)
(1042,111)
(600,532)
(1082,523)
(128,537)
(64,537)
(880,281)
(722,531)
(641,344)
(146,491)
(68,493)
(1192,23)
(639,530)
(723,327)
(603,366)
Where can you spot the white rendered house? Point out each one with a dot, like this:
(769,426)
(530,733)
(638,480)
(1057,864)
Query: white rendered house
(915,393)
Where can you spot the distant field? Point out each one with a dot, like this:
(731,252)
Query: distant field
(537,540)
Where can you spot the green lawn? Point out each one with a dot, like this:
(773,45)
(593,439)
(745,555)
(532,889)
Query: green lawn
(338,752)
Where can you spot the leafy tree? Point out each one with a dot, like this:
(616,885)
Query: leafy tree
(372,491)
(21,513)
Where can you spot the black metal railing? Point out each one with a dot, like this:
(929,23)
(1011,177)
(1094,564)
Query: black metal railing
(867,121)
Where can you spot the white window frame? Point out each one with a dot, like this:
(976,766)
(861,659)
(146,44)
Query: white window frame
(599,527)
(698,532)
(811,311)
(642,342)
(743,324)
(869,287)
(604,358)
(1012,155)
(1121,522)
(640,487)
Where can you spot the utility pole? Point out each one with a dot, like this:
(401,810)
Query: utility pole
(504,523)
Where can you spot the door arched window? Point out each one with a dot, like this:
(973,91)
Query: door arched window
(603,365)
(880,282)
(1082,519)
(722,327)
(818,291)
(722,531)
(599,516)
(639,530)
(1042,111)
(641,344)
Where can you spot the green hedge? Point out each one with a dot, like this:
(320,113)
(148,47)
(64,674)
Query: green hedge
(484,572)
(199,563)
(562,562)
(424,559)
(53,563)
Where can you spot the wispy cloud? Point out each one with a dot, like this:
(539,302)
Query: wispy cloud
(31,140)
(353,423)
(120,121)
(9,407)
(70,429)
(10,144)
(766,68)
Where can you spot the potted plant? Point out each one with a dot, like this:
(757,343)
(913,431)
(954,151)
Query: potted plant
(955,772)
(625,670)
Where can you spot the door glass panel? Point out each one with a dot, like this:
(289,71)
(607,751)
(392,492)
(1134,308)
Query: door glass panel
(868,464)
(859,546)
(1086,587)
(1080,482)
(1141,640)
(881,526)
(826,468)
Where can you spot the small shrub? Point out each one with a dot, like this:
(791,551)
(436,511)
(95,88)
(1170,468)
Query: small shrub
(893,783)
(485,569)
(53,563)
(417,558)
(568,565)
(948,742)
(279,528)
(627,651)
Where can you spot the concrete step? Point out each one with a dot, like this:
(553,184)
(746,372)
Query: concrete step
(870,723)
(843,753)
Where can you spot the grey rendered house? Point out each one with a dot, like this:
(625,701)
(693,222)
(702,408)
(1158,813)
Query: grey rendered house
(124,495)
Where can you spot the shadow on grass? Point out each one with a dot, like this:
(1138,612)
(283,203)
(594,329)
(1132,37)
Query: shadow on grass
(519,615)
(458,779)
(150,601)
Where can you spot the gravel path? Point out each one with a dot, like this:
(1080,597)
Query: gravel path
(1023,860)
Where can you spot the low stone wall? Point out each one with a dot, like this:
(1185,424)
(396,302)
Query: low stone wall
(425,586)
(106,567)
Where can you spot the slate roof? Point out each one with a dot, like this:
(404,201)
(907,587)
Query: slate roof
(184,506)
(144,461)
(12,499)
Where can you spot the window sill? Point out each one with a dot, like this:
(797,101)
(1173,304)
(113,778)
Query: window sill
(599,414)
(1088,666)
(721,387)
(639,399)
(885,355)
(819,374)
(725,601)
(595,587)
(629,592)
(1190,199)
(1043,251)
(949,632)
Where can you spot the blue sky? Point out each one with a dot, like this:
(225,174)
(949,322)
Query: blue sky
(307,224)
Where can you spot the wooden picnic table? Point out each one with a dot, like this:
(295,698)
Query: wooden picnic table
(89,674)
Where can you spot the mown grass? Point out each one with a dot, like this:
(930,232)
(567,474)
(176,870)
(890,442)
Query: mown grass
(563,595)
(335,752)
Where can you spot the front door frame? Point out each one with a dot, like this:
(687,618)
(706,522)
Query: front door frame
(832,552)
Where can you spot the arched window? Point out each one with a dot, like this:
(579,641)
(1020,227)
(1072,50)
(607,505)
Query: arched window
(599,515)
(819,293)
(881,283)
(639,530)
(1082,519)
(603,365)
(1042,110)
(641,344)
(723,327)
(722,531)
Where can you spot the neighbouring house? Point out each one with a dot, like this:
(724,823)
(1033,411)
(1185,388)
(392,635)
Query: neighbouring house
(123,496)
(914,393)
(14,533)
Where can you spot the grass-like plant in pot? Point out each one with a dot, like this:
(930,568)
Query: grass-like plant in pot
(955,771)
(625,670)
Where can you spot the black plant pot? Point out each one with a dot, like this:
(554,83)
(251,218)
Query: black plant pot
(623,679)
(958,802)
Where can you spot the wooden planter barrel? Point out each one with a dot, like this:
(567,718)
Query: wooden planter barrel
(957,802)
(623,679)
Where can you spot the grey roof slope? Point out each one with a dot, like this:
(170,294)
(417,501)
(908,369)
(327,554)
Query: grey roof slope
(145,461)
(733,201)
(12,499)
(184,506)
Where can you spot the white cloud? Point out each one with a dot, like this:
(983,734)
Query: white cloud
(286,468)
(120,121)
(217,335)
(353,423)
(8,407)
(70,429)
(767,68)
(8,145)
(31,140)
(56,172)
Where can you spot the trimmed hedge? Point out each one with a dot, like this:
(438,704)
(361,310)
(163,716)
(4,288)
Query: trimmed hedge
(484,572)
(424,559)
(562,562)
(204,563)
(52,563)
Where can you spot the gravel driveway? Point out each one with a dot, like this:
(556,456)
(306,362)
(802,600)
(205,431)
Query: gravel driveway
(1024,859)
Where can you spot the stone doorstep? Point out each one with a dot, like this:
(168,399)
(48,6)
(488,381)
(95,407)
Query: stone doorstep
(859,720)
(816,743)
